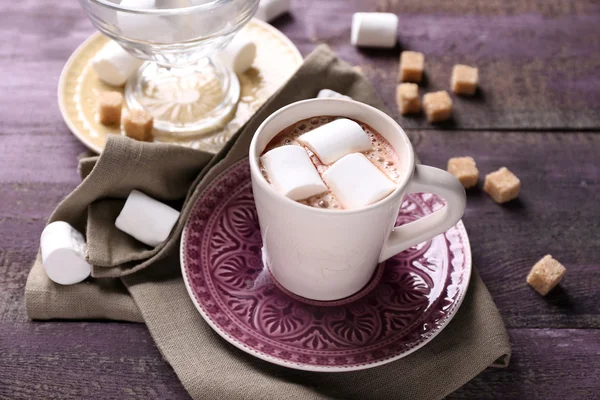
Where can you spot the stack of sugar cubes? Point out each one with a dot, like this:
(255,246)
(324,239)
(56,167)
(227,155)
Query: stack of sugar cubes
(350,176)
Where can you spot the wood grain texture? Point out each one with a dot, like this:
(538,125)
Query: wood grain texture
(83,361)
(546,53)
(535,71)
(557,212)
(68,361)
(546,364)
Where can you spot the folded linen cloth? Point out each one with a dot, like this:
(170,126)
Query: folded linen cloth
(133,282)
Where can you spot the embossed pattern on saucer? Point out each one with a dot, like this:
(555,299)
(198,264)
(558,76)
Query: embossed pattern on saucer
(277,58)
(410,299)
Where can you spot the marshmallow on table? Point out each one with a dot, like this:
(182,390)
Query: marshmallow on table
(239,54)
(113,65)
(356,182)
(374,29)
(332,141)
(292,173)
(63,254)
(146,219)
(331,94)
(270,9)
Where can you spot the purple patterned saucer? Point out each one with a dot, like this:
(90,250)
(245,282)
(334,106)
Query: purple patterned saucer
(409,300)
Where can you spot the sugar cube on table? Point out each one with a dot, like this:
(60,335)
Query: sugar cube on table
(437,106)
(502,185)
(465,170)
(407,98)
(137,124)
(412,64)
(464,79)
(545,275)
(110,105)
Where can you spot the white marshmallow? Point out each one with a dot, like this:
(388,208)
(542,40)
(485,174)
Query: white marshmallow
(114,65)
(268,10)
(146,219)
(239,54)
(331,94)
(63,254)
(153,28)
(374,29)
(170,4)
(332,141)
(292,173)
(356,182)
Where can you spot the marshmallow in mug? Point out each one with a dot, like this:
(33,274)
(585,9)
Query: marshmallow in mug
(146,219)
(268,10)
(374,29)
(336,139)
(113,65)
(239,54)
(356,182)
(63,254)
(331,94)
(292,173)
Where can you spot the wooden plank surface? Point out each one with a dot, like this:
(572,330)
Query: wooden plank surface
(506,240)
(538,61)
(536,71)
(68,361)
(556,339)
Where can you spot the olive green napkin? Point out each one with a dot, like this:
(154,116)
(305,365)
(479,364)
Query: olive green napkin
(208,366)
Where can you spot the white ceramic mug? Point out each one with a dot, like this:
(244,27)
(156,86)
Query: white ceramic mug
(325,254)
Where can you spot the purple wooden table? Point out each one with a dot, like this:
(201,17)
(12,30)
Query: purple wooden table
(537,114)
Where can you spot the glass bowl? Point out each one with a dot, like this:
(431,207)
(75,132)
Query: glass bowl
(180,85)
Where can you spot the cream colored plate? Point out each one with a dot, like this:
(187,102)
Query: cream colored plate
(276,61)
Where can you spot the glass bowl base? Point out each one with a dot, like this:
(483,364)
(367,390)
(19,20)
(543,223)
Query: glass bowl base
(188,101)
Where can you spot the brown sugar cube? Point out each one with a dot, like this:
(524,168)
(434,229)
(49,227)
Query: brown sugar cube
(437,106)
(137,124)
(465,169)
(502,185)
(110,105)
(464,79)
(407,98)
(412,64)
(545,275)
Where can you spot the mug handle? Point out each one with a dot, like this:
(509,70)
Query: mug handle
(428,180)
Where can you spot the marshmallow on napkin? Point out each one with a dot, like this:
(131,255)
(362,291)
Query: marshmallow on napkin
(146,219)
(332,141)
(239,54)
(270,9)
(114,65)
(374,29)
(356,182)
(331,94)
(63,254)
(292,173)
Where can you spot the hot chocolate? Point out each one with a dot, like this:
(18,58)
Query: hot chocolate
(381,154)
